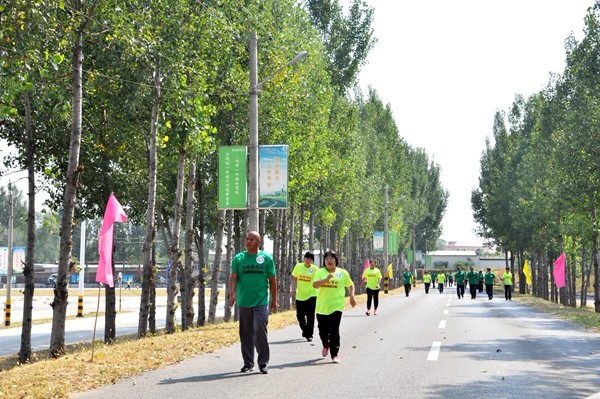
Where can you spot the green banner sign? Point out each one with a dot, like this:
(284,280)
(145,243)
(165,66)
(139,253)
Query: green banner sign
(232,177)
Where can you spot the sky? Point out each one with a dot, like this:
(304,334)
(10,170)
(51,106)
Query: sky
(445,68)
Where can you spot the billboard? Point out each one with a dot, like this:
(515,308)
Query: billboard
(232,177)
(18,260)
(392,242)
(273,176)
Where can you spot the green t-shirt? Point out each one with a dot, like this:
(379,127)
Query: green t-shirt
(372,276)
(331,297)
(473,277)
(427,278)
(304,284)
(489,278)
(253,272)
(460,277)
(441,278)
(407,276)
(507,277)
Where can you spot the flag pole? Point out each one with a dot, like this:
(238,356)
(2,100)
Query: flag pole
(95,322)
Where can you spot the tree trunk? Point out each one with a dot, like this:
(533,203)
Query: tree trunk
(28,269)
(202,259)
(216,271)
(227,271)
(187,277)
(61,292)
(175,253)
(148,281)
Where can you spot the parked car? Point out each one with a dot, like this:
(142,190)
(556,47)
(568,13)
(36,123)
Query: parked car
(52,280)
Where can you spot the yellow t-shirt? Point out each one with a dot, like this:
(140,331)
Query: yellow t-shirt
(507,276)
(441,278)
(373,276)
(427,278)
(305,276)
(331,296)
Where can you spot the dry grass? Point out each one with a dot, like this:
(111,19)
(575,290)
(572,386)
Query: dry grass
(76,371)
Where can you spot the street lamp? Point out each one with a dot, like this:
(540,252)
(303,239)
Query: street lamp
(255,87)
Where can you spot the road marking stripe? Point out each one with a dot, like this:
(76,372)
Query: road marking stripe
(442,324)
(434,351)
(446,311)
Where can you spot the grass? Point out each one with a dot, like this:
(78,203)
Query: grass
(77,371)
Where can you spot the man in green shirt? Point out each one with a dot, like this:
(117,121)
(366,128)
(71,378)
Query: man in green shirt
(252,279)
(407,277)
(489,283)
(460,276)
(473,279)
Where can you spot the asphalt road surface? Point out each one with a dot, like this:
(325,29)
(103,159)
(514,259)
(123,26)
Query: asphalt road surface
(423,346)
(79,329)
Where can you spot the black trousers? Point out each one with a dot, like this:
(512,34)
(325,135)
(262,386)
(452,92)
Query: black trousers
(407,289)
(372,296)
(473,289)
(489,289)
(427,287)
(305,313)
(441,287)
(508,292)
(460,290)
(329,331)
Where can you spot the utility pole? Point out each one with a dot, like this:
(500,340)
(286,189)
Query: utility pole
(385,242)
(253,141)
(9,271)
(414,256)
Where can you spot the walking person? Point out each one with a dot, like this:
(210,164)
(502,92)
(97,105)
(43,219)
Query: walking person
(372,278)
(332,282)
(473,279)
(441,279)
(427,281)
(450,280)
(480,282)
(490,278)
(460,276)
(305,294)
(407,277)
(251,281)
(507,277)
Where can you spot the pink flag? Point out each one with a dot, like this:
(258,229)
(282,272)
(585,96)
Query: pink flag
(559,271)
(367,264)
(114,213)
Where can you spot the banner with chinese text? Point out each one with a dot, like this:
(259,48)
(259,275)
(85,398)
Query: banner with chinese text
(273,176)
(232,177)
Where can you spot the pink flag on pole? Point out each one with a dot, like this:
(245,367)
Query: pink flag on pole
(367,264)
(559,271)
(114,213)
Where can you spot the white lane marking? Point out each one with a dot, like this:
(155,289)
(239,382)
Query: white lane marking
(448,304)
(442,324)
(446,311)
(434,352)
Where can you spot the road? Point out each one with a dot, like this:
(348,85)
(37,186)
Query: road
(79,329)
(423,346)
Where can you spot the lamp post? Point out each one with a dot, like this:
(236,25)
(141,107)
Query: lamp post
(255,87)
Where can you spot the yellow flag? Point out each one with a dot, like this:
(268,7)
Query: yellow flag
(390,271)
(527,271)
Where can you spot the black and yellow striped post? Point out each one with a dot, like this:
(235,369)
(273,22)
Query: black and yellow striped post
(386,281)
(80,306)
(7,313)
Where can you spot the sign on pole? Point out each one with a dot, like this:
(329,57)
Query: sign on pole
(232,177)
(273,176)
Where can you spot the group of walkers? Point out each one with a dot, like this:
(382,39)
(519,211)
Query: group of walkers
(319,292)
(475,280)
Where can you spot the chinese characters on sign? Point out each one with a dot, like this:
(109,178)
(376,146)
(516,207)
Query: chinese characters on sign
(18,260)
(232,177)
(273,176)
